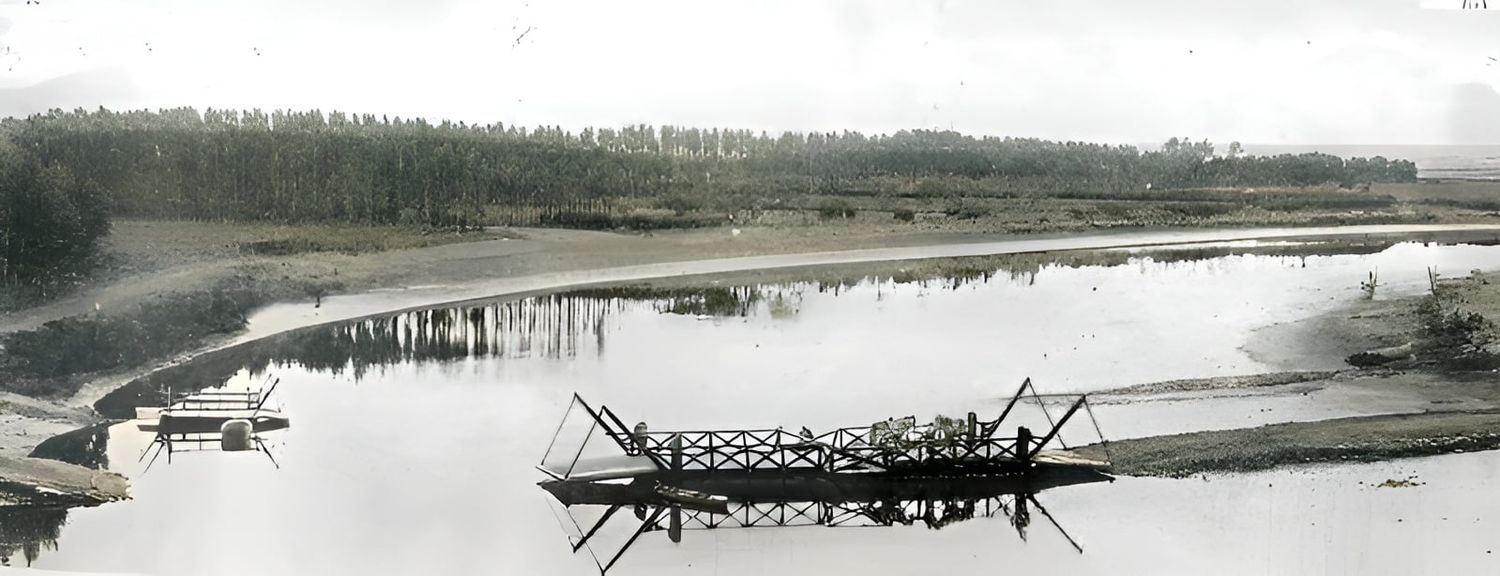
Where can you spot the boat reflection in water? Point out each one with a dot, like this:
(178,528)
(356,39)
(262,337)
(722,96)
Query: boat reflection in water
(213,420)
(888,473)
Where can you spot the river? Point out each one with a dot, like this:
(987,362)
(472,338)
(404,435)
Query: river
(414,434)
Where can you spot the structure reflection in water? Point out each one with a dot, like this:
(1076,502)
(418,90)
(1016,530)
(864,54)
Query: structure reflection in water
(216,420)
(575,323)
(887,473)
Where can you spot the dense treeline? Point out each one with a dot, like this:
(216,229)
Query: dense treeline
(50,223)
(308,166)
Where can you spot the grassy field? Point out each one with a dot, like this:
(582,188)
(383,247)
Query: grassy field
(147,245)
(1470,194)
(1021,212)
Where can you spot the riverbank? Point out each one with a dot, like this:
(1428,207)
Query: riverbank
(1356,439)
(41,419)
(1459,407)
(542,260)
(39,483)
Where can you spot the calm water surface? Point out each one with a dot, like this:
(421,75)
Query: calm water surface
(414,435)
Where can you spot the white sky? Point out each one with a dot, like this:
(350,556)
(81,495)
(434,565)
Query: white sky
(1263,71)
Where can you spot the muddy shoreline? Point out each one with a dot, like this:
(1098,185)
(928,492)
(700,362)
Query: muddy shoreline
(1355,439)
(1462,412)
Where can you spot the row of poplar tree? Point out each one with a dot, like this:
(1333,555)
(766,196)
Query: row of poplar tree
(309,166)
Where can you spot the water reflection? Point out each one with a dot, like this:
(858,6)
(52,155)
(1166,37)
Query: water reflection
(481,398)
(883,474)
(552,326)
(32,530)
(85,447)
(566,325)
(546,326)
(29,531)
(218,420)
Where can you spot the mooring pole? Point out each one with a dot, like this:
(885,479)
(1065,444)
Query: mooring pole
(1022,519)
(676,452)
(674,516)
(1023,444)
(674,525)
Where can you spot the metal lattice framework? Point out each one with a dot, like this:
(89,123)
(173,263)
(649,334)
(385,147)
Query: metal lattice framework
(843,450)
(890,445)
(935,513)
(895,446)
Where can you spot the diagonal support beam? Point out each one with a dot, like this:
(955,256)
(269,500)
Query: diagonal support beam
(623,438)
(648,524)
(1059,527)
(1043,406)
(266,395)
(1057,427)
(267,451)
(597,525)
(1013,400)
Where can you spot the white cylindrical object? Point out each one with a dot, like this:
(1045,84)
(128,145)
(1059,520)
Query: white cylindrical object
(235,435)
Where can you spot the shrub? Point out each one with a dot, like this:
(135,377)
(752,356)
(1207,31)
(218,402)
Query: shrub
(680,203)
(904,214)
(836,208)
(630,221)
(968,209)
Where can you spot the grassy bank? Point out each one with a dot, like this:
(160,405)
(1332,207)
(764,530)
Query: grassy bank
(136,246)
(56,359)
(1458,329)
(1021,212)
(144,246)
(1358,439)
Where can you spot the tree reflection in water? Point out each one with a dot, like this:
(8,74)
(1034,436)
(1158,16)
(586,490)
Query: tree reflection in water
(29,531)
(551,326)
(568,324)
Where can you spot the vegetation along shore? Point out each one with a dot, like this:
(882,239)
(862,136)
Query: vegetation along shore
(130,239)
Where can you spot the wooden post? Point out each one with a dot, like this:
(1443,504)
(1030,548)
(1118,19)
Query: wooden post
(674,525)
(676,458)
(1023,444)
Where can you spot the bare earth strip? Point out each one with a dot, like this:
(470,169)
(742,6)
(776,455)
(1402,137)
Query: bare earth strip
(37,482)
(1358,439)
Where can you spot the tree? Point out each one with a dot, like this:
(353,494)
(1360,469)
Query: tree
(290,166)
(50,224)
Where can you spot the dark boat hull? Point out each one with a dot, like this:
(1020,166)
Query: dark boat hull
(764,486)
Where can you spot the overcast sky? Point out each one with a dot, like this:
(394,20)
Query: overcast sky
(1263,71)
